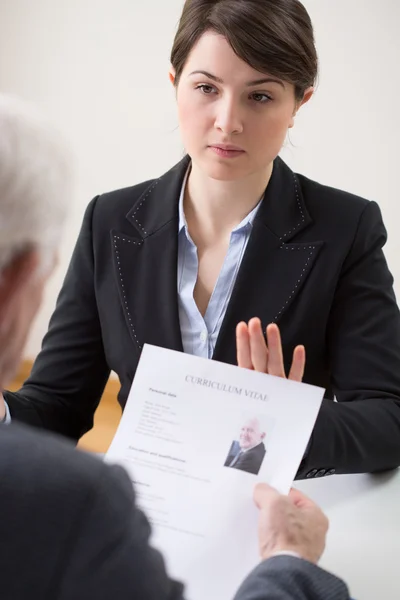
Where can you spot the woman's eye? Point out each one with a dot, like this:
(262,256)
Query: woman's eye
(206,89)
(261,98)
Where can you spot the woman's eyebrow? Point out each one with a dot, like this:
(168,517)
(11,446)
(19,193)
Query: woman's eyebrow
(249,84)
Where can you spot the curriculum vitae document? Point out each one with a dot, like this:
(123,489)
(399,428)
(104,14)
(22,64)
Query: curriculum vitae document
(196,436)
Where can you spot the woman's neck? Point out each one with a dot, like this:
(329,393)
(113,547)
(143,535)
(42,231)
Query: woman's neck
(213,208)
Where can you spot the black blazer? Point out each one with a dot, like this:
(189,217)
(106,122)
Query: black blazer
(314,265)
(249,461)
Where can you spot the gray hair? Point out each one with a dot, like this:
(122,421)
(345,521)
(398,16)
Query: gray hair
(262,420)
(35,182)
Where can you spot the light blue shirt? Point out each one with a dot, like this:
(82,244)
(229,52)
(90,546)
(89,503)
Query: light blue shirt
(7,418)
(199,335)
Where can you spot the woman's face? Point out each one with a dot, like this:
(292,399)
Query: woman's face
(223,102)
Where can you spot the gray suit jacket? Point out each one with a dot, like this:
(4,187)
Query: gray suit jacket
(289,578)
(70,530)
(251,460)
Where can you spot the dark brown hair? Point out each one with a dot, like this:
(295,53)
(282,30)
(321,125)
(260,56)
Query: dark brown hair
(272,36)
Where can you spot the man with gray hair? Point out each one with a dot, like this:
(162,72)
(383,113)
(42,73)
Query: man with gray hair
(35,189)
(247,453)
(69,527)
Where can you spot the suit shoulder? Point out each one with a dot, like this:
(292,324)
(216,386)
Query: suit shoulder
(39,460)
(117,203)
(330,202)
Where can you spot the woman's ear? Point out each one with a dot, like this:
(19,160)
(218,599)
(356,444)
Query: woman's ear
(172,75)
(307,96)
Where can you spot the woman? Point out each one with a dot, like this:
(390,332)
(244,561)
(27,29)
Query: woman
(228,234)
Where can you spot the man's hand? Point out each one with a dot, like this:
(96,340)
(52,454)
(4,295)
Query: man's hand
(254,353)
(291,523)
(2,408)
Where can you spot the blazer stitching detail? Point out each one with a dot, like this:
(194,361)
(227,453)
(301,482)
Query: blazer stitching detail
(300,208)
(116,237)
(122,283)
(298,281)
(144,199)
(292,248)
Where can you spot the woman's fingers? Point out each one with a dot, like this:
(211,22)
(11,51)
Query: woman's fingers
(275,354)
(298,364)
(258,346)
(243,352)
(253,352)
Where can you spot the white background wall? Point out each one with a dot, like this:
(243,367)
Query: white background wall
(99,68)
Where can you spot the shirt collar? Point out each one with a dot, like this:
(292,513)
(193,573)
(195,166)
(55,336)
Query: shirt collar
(247,221)
(182,218)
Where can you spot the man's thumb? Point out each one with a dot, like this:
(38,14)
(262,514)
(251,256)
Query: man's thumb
(264,494)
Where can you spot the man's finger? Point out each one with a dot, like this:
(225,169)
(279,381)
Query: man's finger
(258,346)
(243,346)
(275,355)
(298,364)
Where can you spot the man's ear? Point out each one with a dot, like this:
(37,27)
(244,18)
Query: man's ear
(13,279)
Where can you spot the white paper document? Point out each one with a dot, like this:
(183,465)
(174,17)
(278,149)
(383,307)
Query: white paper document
(196,436)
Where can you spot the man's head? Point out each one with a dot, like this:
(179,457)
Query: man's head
(35,188)
(252,433)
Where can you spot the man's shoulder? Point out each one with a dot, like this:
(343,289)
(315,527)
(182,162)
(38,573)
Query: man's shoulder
(65,511)
(32,460)
(49,485)
(259,449)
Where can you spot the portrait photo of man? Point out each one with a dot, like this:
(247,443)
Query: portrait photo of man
(247,453)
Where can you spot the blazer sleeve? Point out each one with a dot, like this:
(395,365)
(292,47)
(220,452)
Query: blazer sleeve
(110,555)
(70,372)
(286,577)
(361,431)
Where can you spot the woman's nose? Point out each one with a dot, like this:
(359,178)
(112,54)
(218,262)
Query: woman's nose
(228,119)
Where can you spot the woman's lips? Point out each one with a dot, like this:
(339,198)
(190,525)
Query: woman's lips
(227,152)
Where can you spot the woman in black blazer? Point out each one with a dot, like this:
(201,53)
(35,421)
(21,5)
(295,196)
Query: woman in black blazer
(313,264)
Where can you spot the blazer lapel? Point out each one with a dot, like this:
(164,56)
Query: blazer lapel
(273,270)
(146,263)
